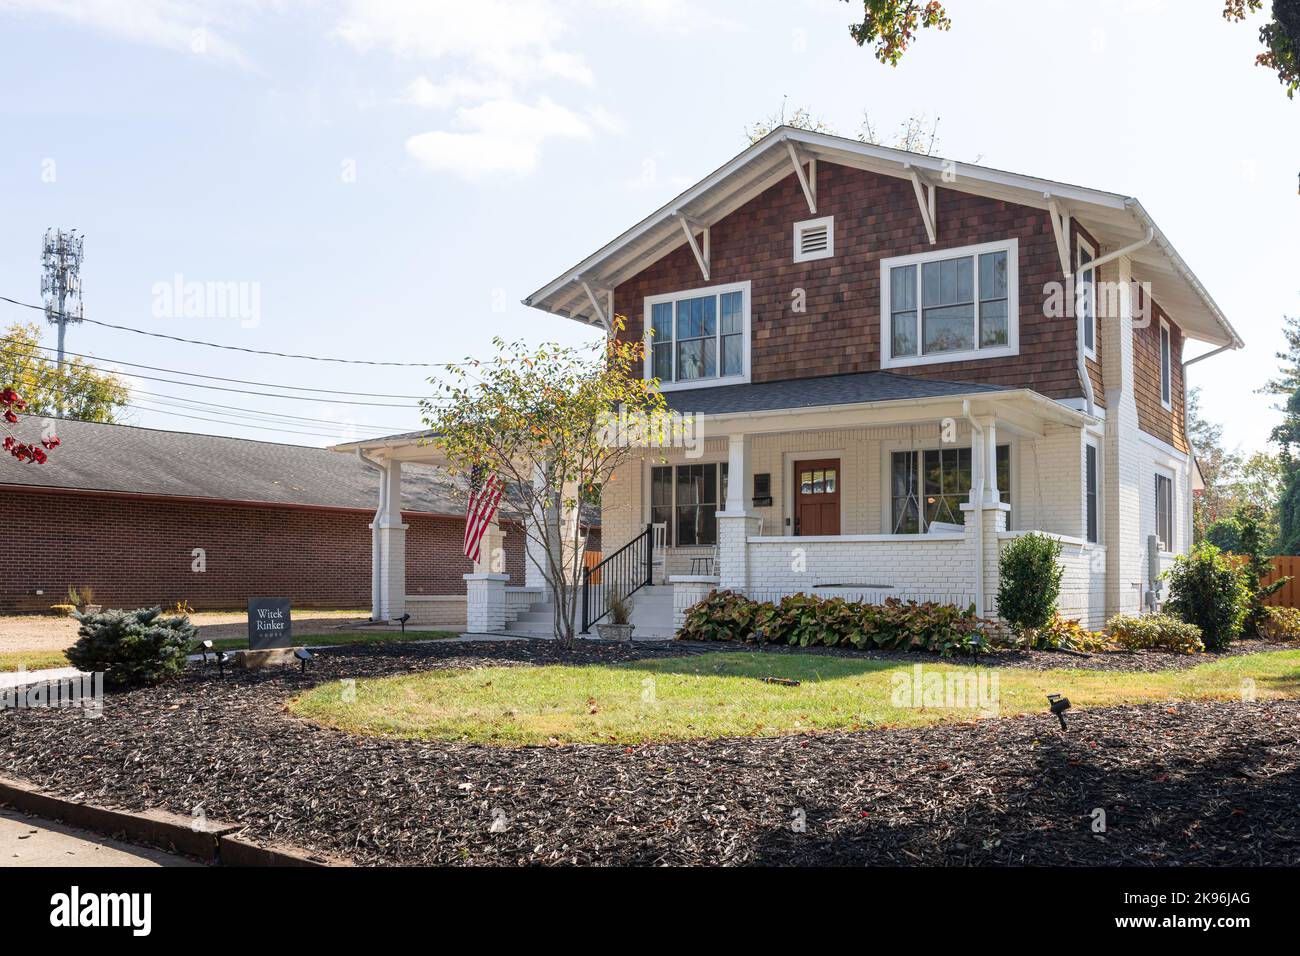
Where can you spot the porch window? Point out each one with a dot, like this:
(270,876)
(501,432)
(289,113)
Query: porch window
(686,498)
(698,336)
(1165,512)
(949,306)
(928,486)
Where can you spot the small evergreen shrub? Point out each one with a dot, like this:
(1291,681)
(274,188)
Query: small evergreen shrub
(1256,567)
(1163,632)
(802,620)
(1280,624)
(1029,584)
(1205,589)
(132,648)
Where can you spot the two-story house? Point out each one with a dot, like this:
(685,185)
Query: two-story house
(896,364)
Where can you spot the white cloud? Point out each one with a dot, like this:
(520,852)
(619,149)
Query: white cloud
(680,16)
(499,136)
(196,27)
(455,89)
(504,40)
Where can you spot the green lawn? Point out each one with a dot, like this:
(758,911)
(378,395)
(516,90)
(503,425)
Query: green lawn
(722,694)
(36,660)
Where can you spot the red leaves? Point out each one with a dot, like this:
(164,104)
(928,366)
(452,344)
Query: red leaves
(13,403)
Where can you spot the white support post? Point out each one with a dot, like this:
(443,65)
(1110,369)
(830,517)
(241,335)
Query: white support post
(1122,486)
(535,550)
(925,192)
(807,181)
(388,551)
(701,255)
(991,492)
(1061,230)
(736,523)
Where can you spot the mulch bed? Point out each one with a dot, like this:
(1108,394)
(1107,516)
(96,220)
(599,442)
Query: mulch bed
(1195,783)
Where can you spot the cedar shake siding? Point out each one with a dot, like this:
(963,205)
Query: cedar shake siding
(1167,424)
(136,551)
(876,217)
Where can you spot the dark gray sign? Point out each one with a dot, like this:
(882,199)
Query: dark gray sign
(268,623)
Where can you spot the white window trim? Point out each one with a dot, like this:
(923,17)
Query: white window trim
(1165,346)
(1080,245)
(887,449)
(1011,247)
(717,290)
(1158,471)
(1094,443)
(828,252)
(649,465)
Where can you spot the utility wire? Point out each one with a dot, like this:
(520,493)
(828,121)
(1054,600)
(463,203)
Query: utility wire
(266,428)
(238,348)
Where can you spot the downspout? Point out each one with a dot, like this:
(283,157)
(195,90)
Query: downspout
(376,553)
(1084,378)
(977,507)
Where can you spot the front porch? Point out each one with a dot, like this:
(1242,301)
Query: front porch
(911,500)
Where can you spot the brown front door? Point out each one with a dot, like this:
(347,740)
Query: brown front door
(817,497)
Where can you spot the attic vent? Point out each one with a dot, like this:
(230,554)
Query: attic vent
(814,239)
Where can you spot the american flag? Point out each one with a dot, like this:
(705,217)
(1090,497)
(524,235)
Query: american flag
(484,496)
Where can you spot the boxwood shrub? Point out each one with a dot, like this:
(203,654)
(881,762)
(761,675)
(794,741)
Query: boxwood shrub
(132,648)
(1155,631)
(1205,589)
(803,620)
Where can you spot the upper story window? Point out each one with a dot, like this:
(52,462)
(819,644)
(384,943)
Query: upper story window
(699,337)
(1165,511)
(1166,366)
(950,305)
(814,239)
(1085,291)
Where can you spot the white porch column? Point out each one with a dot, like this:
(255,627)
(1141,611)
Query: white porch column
(736,524)
(485,602)
(388,548)
(991,491)
(534,549)
(1121,471)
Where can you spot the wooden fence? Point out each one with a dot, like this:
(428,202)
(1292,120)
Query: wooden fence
(1284,566)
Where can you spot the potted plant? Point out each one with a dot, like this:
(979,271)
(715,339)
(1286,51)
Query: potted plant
(619,626)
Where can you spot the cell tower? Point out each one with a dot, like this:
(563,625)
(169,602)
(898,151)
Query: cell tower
(61,258)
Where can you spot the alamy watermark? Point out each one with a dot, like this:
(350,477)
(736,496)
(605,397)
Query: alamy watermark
(183,298)
(80,691)
(954,689)
(638,429)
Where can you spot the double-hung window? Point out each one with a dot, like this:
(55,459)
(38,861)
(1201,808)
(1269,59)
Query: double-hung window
(950,306)
(929,486)
(1166,366)
(699,337)
(1165,512)
(687,498)
(1086,296)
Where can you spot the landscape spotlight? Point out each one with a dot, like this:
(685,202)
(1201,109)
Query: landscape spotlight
(204,647)
(303,656)
(222,657)
(402,620)
(1059,705)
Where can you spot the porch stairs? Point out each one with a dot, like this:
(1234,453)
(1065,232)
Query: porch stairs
(652,616)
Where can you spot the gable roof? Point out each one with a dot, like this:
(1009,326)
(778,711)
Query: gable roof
(1113,219)
(128,460)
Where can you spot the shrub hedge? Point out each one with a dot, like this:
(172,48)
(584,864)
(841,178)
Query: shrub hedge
(132,648)
(1280,624)
(1155,631)
(804,620)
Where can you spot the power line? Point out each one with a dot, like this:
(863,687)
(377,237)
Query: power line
(237,381)
(243,391)
(238,348)
(264,428)
(252,414)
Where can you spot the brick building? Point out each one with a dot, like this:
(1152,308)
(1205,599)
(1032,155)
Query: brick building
(154,517)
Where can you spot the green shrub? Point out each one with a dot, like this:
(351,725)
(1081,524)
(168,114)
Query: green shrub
(1256,567)
(1225,534)
(1029,583)
(1068,633)
(1280,624)
(1163,632)
(1206,590)
(803,620)
(132,648)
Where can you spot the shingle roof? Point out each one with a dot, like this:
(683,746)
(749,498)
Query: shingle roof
(813,392)
(124,458)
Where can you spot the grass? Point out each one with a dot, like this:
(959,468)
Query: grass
(721,694)
(37,660)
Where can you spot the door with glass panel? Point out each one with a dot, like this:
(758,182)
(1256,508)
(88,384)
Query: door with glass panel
(817,497)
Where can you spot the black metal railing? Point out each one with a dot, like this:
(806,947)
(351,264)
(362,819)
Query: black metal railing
(623,573)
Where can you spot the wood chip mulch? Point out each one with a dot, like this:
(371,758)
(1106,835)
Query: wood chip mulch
(1191,783)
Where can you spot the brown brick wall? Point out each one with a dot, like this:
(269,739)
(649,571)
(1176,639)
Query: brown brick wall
(876,217)
(1168,425)
(135,552)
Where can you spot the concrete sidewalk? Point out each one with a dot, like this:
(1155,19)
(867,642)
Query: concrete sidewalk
(31,841)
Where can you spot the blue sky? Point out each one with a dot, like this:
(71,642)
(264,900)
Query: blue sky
(392,178)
